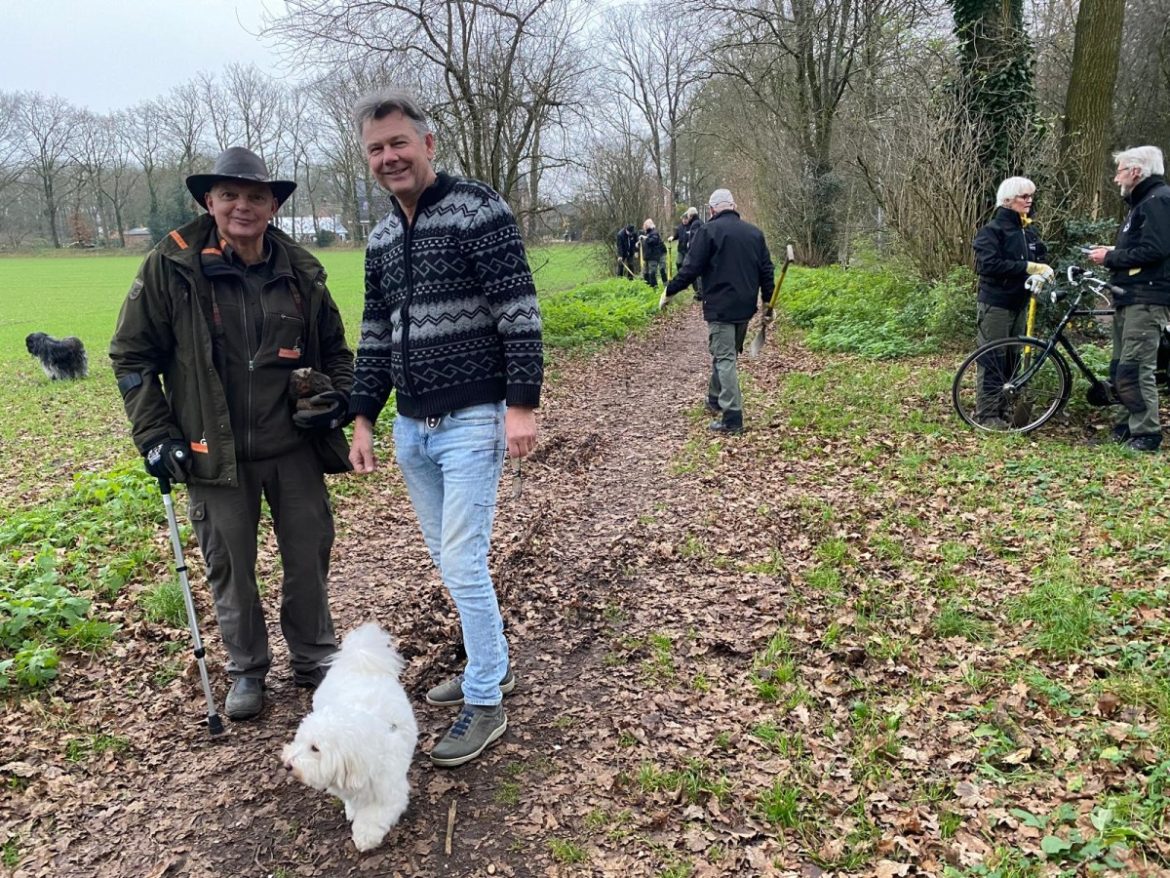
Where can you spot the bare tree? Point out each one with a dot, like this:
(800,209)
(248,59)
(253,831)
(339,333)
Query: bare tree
(495,74)
(10,167)
(183,116)
(660,66)
(119,179)
(255,99)
(46,126)
(797,59)
(145,143)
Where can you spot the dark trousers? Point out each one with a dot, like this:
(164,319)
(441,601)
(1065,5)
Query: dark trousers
(226,519)
(1137,330)
(994,323)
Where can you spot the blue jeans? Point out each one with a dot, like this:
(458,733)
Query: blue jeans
(451,465)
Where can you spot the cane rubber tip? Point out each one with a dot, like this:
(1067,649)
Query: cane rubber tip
(215,724)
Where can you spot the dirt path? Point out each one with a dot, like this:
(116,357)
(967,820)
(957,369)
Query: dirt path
(599,603)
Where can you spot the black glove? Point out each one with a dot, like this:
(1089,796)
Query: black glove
(168,460)
(323,411)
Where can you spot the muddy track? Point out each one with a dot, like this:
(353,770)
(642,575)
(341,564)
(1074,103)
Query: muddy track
(585,558)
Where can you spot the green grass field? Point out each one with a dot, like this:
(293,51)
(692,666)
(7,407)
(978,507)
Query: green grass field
(53,430)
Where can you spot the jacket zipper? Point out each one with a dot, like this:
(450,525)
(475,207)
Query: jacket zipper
(408,273)
(248,437)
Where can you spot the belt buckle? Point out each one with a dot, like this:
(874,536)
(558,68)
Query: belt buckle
(433,420)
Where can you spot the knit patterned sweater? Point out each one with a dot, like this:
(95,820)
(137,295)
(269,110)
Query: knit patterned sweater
(450,317)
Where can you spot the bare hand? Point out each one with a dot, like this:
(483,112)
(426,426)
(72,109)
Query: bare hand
(1097,255)
(519,430)
(361,450)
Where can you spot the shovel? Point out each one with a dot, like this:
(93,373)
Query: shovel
(757,344)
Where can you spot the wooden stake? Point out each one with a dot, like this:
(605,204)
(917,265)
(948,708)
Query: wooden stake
(450,828)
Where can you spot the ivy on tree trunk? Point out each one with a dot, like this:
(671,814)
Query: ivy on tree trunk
(995,63)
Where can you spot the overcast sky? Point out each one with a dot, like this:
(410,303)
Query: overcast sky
(110,54)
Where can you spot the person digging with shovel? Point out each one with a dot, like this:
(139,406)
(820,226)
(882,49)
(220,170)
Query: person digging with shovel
(731,257)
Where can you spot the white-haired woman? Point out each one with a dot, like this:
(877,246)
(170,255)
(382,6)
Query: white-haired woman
(653,255)
(1007,251)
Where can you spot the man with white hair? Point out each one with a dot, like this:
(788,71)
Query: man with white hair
(1139,263)
(731,256)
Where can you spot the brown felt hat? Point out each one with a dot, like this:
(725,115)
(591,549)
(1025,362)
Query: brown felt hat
(237,163)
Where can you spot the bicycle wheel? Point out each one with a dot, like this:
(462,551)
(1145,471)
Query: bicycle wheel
(988,392)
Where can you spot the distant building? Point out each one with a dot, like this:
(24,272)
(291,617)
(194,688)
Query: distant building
(137,237)
(304,228)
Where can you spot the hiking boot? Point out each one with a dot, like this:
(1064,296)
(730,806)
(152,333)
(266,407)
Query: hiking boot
(1145,442)
(1119,435)
(473,731)
(993,423)
(450,693)
(711,407)
(245,698)
(730,424)
(310,679)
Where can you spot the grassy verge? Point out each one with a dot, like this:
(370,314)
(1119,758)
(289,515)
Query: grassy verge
(980,635)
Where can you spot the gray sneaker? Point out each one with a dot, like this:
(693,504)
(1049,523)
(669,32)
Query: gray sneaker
(475,728)
(450,692)
(245,698)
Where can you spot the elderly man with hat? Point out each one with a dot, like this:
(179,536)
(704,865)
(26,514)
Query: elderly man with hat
(731,257)
(223,310)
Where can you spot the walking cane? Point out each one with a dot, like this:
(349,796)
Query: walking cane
(214,723)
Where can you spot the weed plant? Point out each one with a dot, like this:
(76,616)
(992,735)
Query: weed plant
(881,313)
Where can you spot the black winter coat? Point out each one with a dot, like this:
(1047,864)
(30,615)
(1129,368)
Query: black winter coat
(732,258)
(1140,258)
(652,246)
(684,233)
(1003,249)
(627,244)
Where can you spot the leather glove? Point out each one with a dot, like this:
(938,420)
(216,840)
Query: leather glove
(168,460)
(1045,271)
(323,411)
(769,315)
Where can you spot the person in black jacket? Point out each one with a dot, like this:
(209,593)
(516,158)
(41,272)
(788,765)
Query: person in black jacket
(627,246)
(684,233)
(653,254)
(1007,252)
(731,256)
(1140,265)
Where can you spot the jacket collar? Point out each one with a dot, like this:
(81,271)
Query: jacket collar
(1008,216)
(433,194)
(723,213)
(185,244)
(1142,189)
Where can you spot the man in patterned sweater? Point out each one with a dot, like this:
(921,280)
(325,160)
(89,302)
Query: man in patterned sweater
(451,325)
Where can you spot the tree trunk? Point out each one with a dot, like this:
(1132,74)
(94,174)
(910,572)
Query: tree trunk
(1088,105)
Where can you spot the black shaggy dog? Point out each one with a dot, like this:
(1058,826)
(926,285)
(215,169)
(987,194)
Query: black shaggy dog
(61,358)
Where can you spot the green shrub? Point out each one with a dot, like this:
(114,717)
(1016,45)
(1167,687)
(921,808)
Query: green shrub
(952,308)
(595,313)
(878,314)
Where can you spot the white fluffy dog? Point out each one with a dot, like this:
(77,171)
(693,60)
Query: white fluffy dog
(358,741)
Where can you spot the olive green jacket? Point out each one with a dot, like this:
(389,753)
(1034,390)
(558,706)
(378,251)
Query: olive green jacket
(164,362)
